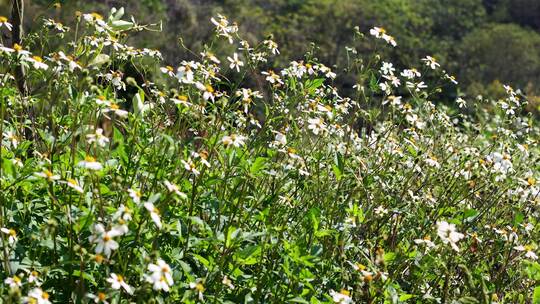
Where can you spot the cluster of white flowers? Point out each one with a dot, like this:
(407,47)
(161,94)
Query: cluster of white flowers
(160,276)
(379,32)
(224,29)
(501,164)
(331,146)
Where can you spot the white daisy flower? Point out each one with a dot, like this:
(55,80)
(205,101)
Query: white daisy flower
(448,234)
(104,239)
(48,175)
(90,163)
(431,62)
(4,23)
(13,282)
(236,63)
(74,184)
(37,296)
(175,189)
(342,297)
(117,282)
(154,214)
(189,165)
(234,139)
(98,138)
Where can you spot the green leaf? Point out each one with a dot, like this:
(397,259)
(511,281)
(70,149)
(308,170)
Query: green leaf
(389,257)
(298,300)
(314,215)
(468,300)
(405,297)
(518,218)
(337,172)
(373,85)
(469,215)
(249,255)
(202,260)
(313,85)
(88,277)
(121,25)
(258,165)
(536,295)
(533,270)
(154,198)
(338,166)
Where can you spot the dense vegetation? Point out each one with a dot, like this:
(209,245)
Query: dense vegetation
(233,176)
(476,40)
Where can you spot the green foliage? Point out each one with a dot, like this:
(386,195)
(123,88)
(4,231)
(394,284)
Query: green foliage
(503,44)
(225,178)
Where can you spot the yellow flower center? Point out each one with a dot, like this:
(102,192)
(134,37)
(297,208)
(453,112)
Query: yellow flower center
(37,58)
(209,88)
(120,278)
(169,68)
(345,292)
(199,287)
(17,47)
(45,295)
(89,159)
(3,19)
(114,106)
(98,258)
(97,16)
(101,296)
(531,181)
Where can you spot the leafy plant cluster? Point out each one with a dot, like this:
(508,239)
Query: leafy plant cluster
(190,187)
(473,39)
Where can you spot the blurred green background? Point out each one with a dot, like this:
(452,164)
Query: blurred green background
(482,42)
